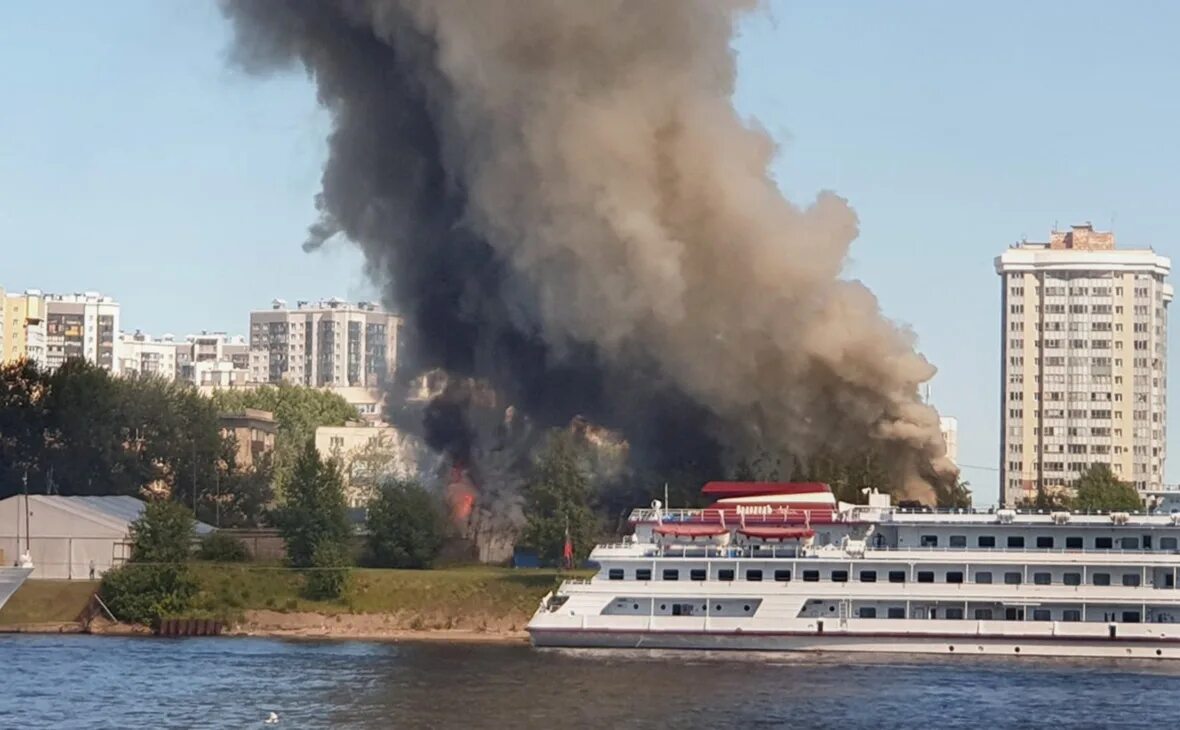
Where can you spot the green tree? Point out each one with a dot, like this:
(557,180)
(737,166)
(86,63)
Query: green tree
(328,577)
(297,409)
(313,511)
(221,547)
(953,495)
(405,526)
(557,497)
(1098,489)
(22,426)
(156,581)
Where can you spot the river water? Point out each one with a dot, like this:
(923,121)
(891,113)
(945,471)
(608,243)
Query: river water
(67,682)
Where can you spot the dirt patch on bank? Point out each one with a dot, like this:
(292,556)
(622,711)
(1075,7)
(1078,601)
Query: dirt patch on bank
(380,626)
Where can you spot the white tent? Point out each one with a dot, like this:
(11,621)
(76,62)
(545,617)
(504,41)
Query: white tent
(70,537)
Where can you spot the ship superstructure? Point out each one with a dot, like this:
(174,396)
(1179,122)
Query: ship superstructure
(770,566)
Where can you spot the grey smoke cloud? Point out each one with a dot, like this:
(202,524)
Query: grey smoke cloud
(563,200)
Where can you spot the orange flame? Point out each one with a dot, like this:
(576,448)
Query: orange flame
(460,495)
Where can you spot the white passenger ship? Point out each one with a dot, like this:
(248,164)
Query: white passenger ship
(772,566)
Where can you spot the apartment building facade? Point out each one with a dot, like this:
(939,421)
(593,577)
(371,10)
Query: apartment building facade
(22,326)
(1084,369)
(330,343)
(84,326)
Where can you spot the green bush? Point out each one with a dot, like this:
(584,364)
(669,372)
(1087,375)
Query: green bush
(220,547)
(328,577)
(138,593)
(405,526)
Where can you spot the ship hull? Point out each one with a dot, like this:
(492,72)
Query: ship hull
(1126,647)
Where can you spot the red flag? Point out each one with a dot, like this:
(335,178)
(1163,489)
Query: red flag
(567,552)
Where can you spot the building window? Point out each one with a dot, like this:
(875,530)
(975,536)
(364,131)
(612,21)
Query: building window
(987,541)
(1072,579)
(1045,541)
(839,576)
(867,612)
(1012,579)
(1101,579)
(897,576)
(958,541)
(954,576)
(1131,579)
(925,576)
(698,574)
(1016,541)
(1073,543)
(928,541)
(1104,543)
(782,576)
(643,574)
(615,574)
(983,576)
(1042,614)
(754,575)
(1042,579)
(983,614)
(811,576)
(671,574)
(1071,614)
(895,612)
(725,574)
(868,576)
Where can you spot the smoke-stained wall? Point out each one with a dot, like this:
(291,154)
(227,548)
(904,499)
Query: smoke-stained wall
(562,200)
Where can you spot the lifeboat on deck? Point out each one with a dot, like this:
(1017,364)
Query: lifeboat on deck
(692,533)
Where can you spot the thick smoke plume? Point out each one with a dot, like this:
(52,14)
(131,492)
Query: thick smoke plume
(561,198)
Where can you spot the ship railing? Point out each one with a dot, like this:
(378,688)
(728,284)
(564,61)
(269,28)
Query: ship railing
(1026,549)
(735,517)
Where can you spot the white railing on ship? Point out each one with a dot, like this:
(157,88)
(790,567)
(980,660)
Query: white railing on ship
(774,551)
(777,516)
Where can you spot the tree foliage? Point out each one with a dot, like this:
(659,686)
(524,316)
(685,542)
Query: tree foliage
(313,511)
(405,526)
(156,581)
(558,496)
(298,410)
(328,577)
(956,495)
(1098,489)
(220,547)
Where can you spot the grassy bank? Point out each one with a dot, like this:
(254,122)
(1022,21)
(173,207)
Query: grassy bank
(47,601)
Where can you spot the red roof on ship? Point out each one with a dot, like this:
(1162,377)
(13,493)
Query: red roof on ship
(721,490)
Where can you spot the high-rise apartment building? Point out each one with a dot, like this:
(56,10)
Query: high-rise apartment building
(82,326)
(22,327)
(327,343)
(1084,362)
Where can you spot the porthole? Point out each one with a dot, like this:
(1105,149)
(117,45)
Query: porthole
(718,607)
(635,606)
(951,648)
(1159,652)
(663,606)
(747,608)
(1017,650)
(831,608)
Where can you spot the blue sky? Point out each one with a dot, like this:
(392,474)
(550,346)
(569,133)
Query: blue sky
(135,162)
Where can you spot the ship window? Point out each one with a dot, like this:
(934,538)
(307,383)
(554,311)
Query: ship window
(1071,614)
(1129,543)
(987,541)
(1013,614)
(698,574)
(1167,543)
(839,576)
(958,541)
(1074,543)
(897,576)
(954,576)
(1042,614)
(643,574)
(811,576)
(1131,579)
(1042,579)
(1103,543)
(954,614)
(1012,579)
(1130,617)
(1045,541)
(1101,579)
(895,612)
(983,614)
(925,576)
(1147,542)
(615,574)
(868,576)
(1016,541)
(782,576)
(867,612)
(1072,579)
(725,574)
(754,575)
(983,576)
(671,574)
(928,541)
